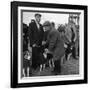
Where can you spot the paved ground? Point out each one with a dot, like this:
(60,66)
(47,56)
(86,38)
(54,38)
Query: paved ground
(67,68)
(70,67)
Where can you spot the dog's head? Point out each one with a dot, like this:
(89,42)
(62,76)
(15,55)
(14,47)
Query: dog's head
(49,56)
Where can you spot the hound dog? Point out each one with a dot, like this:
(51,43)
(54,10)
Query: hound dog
(69,50)
(48,60)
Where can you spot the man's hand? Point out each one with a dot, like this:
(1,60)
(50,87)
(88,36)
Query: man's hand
(47,51)
(65,45)
(34,45)
(30,49)
(43,42)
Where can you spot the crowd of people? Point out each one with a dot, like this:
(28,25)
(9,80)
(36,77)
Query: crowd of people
(44,45)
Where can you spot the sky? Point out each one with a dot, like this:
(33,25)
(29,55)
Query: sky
(52,17)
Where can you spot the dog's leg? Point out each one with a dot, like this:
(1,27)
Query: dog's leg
(66,56)
(53,63)
(41,67)
(28,71)
(50,64)
(69,56)
(23,72)
(62,60)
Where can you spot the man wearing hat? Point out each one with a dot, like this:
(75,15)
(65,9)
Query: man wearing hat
(36,35)
(71,36)
(55,45)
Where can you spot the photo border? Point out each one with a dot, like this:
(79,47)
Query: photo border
(14,43)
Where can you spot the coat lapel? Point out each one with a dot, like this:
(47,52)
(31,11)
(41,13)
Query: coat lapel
(38,29)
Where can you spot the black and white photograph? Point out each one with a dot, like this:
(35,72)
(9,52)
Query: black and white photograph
(50,44)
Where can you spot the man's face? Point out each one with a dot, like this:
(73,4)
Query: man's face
(46,28)
(38,18)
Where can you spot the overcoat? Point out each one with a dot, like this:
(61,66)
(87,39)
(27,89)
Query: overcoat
(55,44)
(36,37)
(35,34)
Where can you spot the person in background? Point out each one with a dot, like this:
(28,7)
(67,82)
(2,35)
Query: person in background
(61,29)
(26,62)
(71,35)
(77,41)
(25,37)
(36,36)
(53,25)
(73,39)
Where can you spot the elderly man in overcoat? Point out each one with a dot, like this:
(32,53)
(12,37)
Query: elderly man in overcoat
(55,45)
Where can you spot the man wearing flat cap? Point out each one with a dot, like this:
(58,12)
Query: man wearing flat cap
(55,45)
(37,14)
(36,35)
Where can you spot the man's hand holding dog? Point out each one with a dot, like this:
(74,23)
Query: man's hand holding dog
(43,42)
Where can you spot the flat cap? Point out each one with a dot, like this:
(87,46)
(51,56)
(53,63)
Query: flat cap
(38,14)
(46,23)
(72,22)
